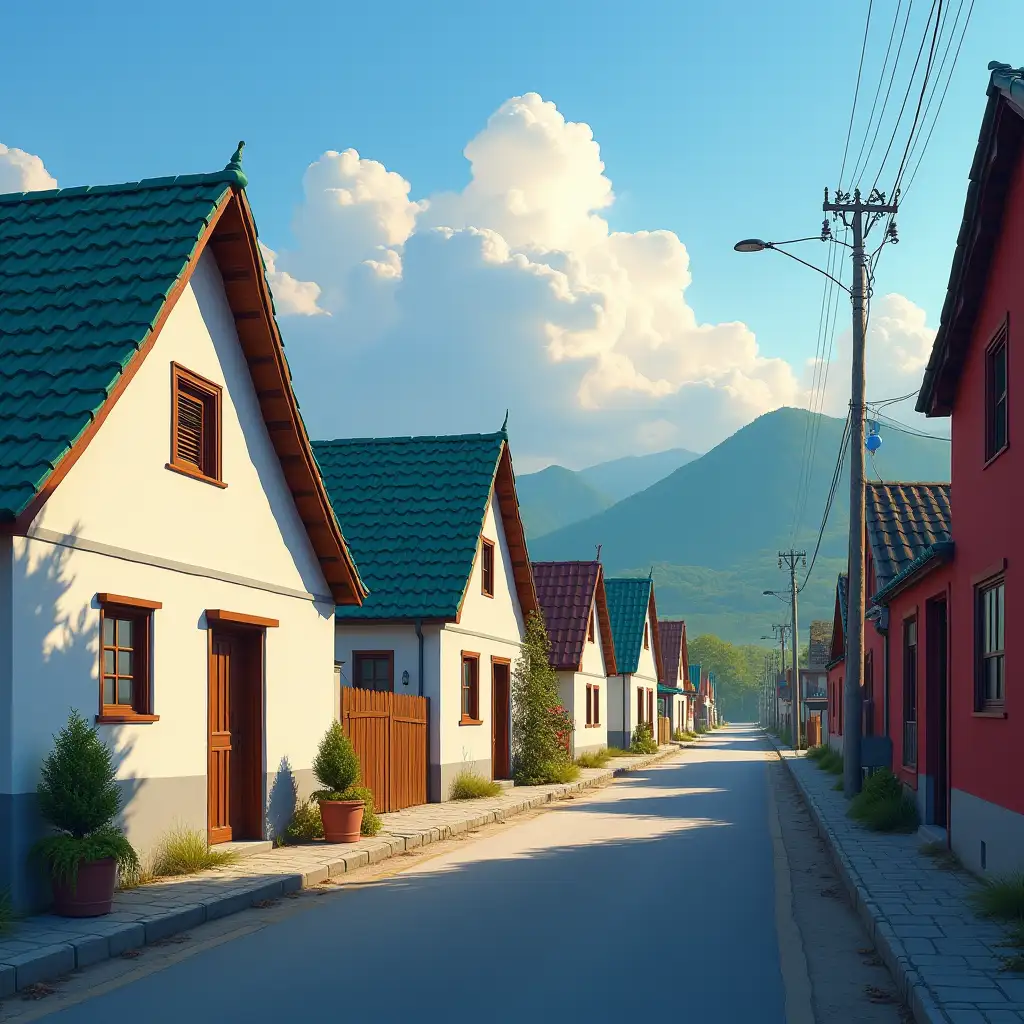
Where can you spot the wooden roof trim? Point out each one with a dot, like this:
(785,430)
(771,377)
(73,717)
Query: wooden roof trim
(515,533)
(652,611)
(605,624)
(684,657)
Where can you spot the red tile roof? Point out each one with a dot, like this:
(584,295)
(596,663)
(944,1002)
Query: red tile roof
(566,592)
(673,651)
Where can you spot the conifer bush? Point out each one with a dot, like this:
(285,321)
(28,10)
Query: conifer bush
(336,767)
(643,741)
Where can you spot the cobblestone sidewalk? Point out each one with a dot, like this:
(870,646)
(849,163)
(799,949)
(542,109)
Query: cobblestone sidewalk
(44,947)
(945,959)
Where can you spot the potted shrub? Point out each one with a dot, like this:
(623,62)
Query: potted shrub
(342,803)
(78,796)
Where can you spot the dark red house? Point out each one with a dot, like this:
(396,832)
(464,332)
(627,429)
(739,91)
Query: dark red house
(836,666)
(975,376)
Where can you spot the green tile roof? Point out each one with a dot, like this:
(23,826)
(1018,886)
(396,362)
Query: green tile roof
(84,273)
(628,600)
(411,509)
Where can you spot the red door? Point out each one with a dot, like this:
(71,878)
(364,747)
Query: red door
(219,770)
(501,767)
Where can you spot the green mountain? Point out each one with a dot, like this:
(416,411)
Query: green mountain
(555,497)
(712,528)
(622,477)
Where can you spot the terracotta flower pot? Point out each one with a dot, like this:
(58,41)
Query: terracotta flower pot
(342,820)
(92,892)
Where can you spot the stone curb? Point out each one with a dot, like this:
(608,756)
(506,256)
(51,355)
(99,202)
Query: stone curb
(911,987)
(80,943)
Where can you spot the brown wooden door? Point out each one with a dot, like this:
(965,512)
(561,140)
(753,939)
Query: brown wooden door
(501,759)
(220,747)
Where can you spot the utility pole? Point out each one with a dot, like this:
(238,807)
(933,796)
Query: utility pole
(791,558)
(860,217)
(779,633)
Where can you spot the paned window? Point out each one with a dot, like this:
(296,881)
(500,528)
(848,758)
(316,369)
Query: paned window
(991,670)
(996,435)
(126,626)
(470,687)
(373,670)
(487,567)
(591,626)
(195,425)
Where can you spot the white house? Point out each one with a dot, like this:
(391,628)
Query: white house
(673,686)
(434,523)
(632,690)
(572,599)
(169,563)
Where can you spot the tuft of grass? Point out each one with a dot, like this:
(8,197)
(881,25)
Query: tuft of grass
(467,785)
(563,772)
(594,758)
(618,752)
(838,785)
(306,824)
(1002,898)
(830,761)
(945,859)
(184,851)
(882,805)
(684,736)
(817,753)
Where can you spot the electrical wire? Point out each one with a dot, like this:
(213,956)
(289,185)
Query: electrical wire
(836,475)
(856,89)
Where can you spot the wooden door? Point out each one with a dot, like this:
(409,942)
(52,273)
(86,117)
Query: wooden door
(501,759)
(937,697)
(219,769)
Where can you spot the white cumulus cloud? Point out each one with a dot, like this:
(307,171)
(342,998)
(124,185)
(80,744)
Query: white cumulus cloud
(23,172)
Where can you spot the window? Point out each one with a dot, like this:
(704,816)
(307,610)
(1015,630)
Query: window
(591,627)
(590,704)
(996,437)
(596,705)
(910,692)
(650,706)
(639,706)
(991,671)
(487,568)
(869,693)
(470,688)
(373,670)
(195,426)
(647,638)
(126,626)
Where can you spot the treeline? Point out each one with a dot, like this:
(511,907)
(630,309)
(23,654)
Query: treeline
(738,669)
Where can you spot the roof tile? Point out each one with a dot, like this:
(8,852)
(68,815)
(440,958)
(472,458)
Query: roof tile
(903,520)
(566,592)
(628,601)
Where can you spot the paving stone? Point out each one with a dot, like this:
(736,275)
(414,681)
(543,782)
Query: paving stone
(42,964)
(177,921)
(1013,989)
(8,980)
(89,949)
(966,1017)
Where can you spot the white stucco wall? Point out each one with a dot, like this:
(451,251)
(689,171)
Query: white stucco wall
(120,498)
(401,639)
(572,687)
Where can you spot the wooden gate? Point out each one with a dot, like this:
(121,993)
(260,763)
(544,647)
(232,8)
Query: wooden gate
(389,734)
(664,730)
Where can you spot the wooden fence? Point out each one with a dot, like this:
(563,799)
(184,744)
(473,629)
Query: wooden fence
(389,734)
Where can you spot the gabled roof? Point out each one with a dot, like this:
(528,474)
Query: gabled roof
(566,592)
(630,602)
(838,646)
(694,680)
(413,509)
(999,149)
(88,277)
(673,652)
(904,519)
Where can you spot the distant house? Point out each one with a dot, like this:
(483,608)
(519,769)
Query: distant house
(836,665)
(631,692)
(572,597)
(169,560)
(697,698)
(673,687)
(435,522)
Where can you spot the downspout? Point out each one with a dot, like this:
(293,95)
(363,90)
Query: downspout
(625,705)
(419,637)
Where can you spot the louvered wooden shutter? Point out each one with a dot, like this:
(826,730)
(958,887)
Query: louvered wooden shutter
(189,439)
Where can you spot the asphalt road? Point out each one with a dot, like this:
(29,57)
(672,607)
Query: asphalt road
(655,895)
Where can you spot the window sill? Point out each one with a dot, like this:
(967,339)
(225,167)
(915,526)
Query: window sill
(988,462)
(126,719)
(989,713)
(194,474)
(471,721)
(485,594)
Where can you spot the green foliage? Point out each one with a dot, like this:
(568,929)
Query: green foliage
(467,785)
(306,824)
(828,760)
(618,752)
(1001,897)
(594,758)
(683,736)
(945,859)
(818,752)
(643,741)
(883,806)
(78,796)
(336,765)
(565,772)
(184,851)
(371,823)
(541,727)
(6,910)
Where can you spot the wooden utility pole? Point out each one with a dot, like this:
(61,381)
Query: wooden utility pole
(790,558)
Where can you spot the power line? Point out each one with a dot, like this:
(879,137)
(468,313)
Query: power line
(836,475)
(856,91)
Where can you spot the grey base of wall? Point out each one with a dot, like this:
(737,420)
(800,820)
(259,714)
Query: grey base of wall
(150,809)
(975,821)
(618,738)
(442,776)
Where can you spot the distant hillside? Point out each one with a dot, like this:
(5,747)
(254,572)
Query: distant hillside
(555,497)
(622,477)
(711,528)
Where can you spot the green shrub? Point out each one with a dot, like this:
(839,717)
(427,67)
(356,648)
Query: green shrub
(883,806)
(643,741)
(541,727)
(467,785)
(564,772)
(6,910)
(306,824)
(594,758)
(683,736)
(184,851)
(618,752)
(1001,897)
(336,766)
(78,796)
(817,753)
(371,823)
(831,761)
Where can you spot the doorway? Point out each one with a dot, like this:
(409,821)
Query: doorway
(235,714)
(501,694)
(937,709)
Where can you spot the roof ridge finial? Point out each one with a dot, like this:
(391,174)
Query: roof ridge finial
(597,558)
(504,425)
(234,165)
(650,575)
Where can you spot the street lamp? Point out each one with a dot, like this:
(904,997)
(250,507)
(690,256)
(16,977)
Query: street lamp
(752,245)
(759,245)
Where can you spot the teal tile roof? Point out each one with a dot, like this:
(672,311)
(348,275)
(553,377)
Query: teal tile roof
(411,509)
(628,601)
(84,274)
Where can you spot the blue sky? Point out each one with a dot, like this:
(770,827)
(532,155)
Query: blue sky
(714,122)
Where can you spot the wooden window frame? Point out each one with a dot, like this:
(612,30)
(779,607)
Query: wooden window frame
(647,636)
(210,395)
(473,716)
(596,698)
(487,573)
(358,657)
(910,680)
(983,704)
(640,705)
(999,343)
(592,625)
(650,707)
(139,612)
(590,697)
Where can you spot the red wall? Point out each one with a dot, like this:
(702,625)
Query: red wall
(988,526)
(835,698)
